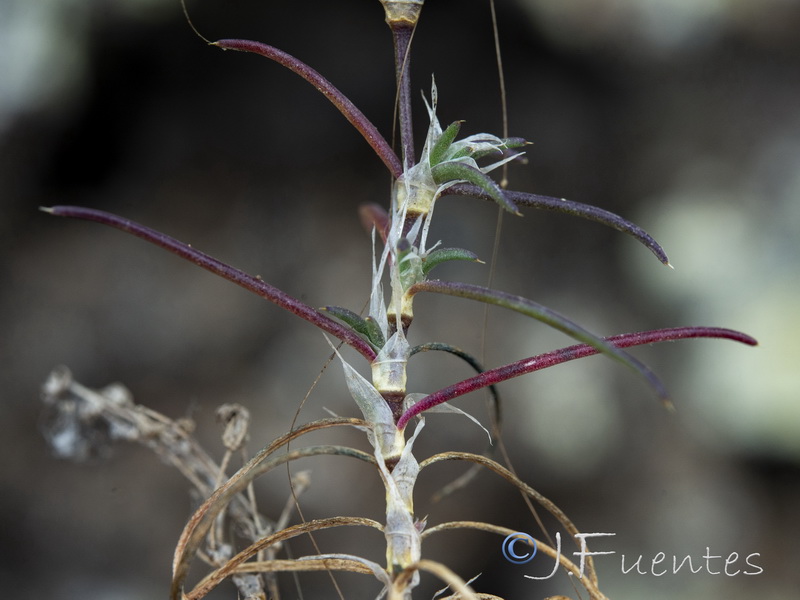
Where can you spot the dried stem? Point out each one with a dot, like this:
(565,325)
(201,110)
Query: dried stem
(201,521)
(571,567)
(213,579)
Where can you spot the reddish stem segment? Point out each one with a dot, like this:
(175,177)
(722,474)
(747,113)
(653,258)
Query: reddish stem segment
(556,357)
(402,34)
(339,100)
(248,282)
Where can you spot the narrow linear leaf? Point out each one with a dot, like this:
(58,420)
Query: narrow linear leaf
(304,563)
(356,118)
(465,152)
(374,332)
(346,315)
(439,150)
(249,282)
(452,171)
(366,327)
(556,357)
(577,209)
(545,315)
(516,142)
(441,255)
(213,579)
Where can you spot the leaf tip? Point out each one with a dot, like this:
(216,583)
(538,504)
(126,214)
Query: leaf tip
(508,204)
(747,339)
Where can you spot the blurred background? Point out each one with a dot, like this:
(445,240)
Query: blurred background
(683,116)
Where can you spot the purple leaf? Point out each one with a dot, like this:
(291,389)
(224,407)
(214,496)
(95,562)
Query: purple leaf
(556,357)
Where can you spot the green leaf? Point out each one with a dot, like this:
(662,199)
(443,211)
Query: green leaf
(366,327)
(515,142)
(465,152)
(439,150)
(374,333)
(450,171)
(441,255)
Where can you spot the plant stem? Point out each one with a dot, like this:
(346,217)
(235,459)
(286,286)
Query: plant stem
(402,17)
(402,34)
